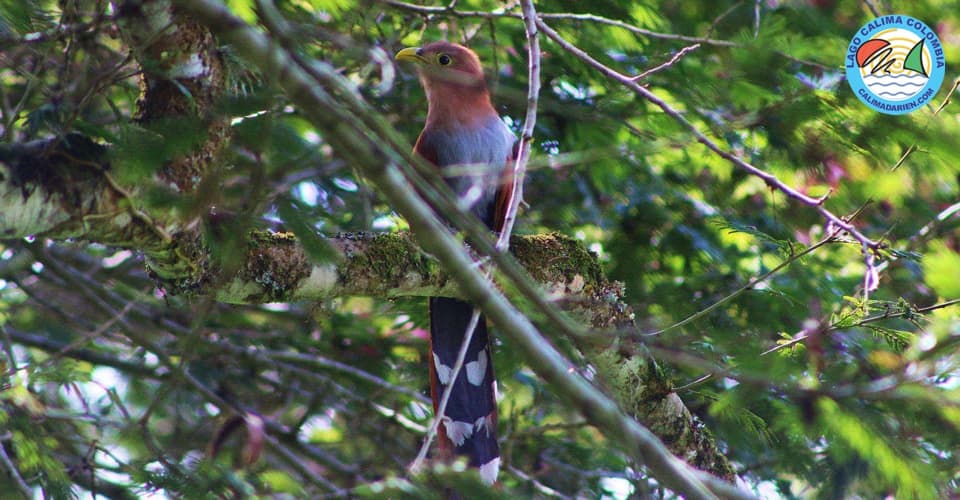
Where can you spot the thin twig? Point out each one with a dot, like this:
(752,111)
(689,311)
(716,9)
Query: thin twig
(303,468)
(802,335)
(8,350)
(913,147)
(529,123)
(720,17)
(537,485)
(426,9)
(673,60)
(447,391)
(924,231)
(939,219)
(12,471)
(756,18)
(899,314)
(840,391)
(316,361)
(750,284)
(505,13)
(44,343)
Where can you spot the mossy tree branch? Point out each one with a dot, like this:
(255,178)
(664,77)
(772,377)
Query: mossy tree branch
(61,189)
(276,268)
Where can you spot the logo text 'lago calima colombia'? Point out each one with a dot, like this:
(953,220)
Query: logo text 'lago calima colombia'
(895,64)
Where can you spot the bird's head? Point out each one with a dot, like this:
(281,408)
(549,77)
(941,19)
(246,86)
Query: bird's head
(445,64)
(453,80)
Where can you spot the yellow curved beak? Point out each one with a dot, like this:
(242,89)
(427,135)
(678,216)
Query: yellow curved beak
(412,54)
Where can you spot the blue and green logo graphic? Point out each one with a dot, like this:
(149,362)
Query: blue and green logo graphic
(895,64)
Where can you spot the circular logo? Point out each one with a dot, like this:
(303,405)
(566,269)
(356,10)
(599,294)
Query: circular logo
(895,64)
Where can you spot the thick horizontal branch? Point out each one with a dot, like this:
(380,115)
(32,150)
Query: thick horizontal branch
(62,189)
(277,268)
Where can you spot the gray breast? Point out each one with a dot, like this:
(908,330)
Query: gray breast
(473,162)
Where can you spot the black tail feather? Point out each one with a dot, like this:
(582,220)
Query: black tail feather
(469,425)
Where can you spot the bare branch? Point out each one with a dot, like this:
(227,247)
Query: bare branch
(670,62)
(529,124)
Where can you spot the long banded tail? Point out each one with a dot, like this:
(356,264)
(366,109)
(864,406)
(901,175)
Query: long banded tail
(469,424)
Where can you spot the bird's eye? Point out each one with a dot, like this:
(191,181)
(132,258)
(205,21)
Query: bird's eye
(444,59)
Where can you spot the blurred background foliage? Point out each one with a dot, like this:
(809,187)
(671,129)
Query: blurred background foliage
(111,386)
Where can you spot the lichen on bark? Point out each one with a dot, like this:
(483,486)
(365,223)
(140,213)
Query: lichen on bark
(183,78)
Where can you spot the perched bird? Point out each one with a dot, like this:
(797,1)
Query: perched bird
(471,147)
